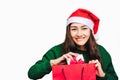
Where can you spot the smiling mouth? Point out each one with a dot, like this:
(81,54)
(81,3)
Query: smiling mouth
(79,39)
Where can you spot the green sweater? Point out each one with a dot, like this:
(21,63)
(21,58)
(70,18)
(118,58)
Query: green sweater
(43,67)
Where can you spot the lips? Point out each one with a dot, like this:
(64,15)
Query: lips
(79,39)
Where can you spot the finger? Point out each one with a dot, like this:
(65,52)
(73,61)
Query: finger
(73,54)
(94,61)
(65,56)
(70,56)
(90,62)
(96,65)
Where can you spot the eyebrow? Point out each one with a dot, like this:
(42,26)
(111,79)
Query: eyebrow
(84,26)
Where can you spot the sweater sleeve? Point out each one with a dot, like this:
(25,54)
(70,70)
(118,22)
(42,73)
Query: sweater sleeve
(107,65)
(41,67)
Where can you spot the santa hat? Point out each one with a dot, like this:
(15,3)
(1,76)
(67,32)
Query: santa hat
(85,17)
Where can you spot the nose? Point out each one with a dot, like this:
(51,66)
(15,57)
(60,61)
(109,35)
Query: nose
(79,32)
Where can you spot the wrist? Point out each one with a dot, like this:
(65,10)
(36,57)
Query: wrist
(52,62)
(102,75)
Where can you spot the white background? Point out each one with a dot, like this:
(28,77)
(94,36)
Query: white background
(28,28)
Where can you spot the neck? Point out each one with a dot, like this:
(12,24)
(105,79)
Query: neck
(82,48)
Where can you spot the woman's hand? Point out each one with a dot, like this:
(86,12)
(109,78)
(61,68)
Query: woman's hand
(64,57)
(99,70)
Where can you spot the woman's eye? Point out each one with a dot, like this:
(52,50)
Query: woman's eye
(84,28)
(73,29)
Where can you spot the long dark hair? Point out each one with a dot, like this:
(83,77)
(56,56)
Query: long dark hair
(91,45)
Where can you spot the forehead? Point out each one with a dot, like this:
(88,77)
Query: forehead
(75,24)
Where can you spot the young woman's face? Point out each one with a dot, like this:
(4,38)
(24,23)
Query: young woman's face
(80,33)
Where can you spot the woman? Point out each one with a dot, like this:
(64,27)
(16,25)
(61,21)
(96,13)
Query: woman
(82,25)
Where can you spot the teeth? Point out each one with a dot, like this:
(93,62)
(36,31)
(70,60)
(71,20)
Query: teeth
(79,38)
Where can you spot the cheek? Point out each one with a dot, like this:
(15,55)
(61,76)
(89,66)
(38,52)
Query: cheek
(87,33)
(73,33)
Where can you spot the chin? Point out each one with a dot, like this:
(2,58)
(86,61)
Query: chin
(80,44)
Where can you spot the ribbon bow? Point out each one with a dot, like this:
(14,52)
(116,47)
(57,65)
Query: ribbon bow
(76,60)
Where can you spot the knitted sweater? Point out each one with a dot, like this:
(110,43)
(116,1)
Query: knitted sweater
(43,67)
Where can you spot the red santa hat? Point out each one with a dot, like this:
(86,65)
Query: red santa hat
(85,17)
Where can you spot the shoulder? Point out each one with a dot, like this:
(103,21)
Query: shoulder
(103,52)
(100,47)
(58,46)
(54,52)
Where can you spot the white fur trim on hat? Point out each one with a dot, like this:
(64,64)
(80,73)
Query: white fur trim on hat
(82,20)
